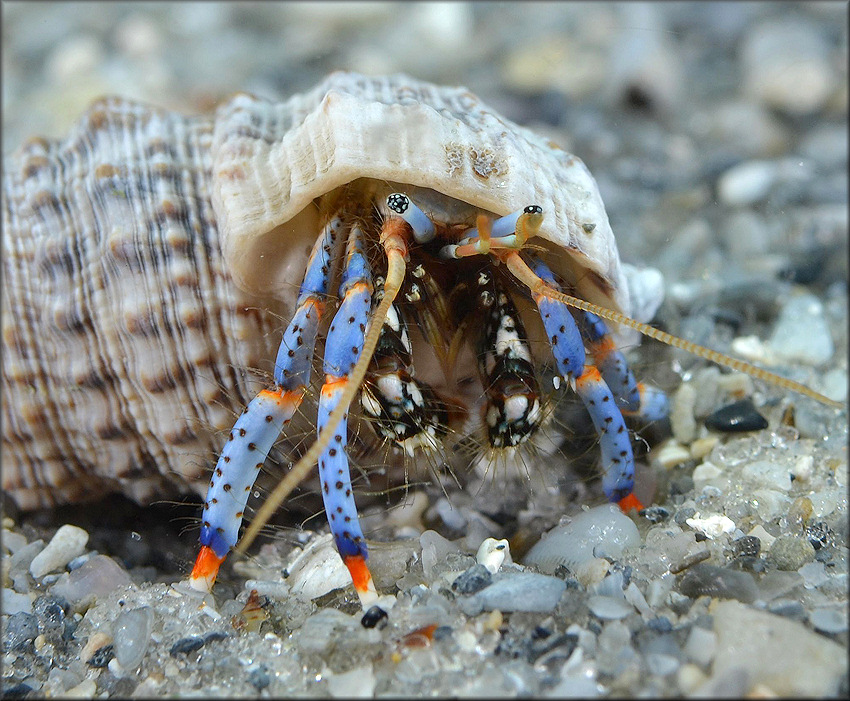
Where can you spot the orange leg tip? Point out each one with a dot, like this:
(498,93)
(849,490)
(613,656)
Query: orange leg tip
(205,570)
(630,502)
(360,574)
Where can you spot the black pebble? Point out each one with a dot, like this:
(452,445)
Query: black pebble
(373,617)
(18,691)
(185,645)
(214,636)
(747,546)
(102,656)
(655,514)
(474,579)
(736,417)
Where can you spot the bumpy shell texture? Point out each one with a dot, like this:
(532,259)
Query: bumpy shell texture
(151,259)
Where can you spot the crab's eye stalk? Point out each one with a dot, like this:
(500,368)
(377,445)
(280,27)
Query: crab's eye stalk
(533,209)
(423,227)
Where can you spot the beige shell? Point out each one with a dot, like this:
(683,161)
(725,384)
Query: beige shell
(127,342)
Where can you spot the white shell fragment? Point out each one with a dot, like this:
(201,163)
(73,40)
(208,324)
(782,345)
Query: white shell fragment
(492,553)
(148,259)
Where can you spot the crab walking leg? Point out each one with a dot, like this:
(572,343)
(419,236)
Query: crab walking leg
(509,232)
(614,442)
(395,235)
(634,398)
(261,422)
(342,351)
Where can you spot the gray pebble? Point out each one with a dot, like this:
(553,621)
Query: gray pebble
(131,633)
(801,333)
(609,608)
(51,617)
(474,579)
(521,591)
(708,580)
(20,630)
(829,620)
(790,552)
(259,678)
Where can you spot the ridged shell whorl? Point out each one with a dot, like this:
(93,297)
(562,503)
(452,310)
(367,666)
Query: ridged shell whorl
(149,257)
(272,160)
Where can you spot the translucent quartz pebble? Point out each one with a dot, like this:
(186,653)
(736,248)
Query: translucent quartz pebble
(520,591)
(604,530)
(708,580)
(98,576)
(609,607)
(68,543)
(131,632)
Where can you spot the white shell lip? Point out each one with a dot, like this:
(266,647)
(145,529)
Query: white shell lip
(271,161)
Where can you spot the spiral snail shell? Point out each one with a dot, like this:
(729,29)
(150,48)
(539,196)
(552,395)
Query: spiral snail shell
(148,257)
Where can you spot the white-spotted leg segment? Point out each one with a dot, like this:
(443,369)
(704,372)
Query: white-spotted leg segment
(260,424)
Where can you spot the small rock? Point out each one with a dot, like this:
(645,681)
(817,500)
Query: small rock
(259,678)
(474,579)
(801,334)
(97,577)
(356,683)
(186,645)
(102,656)
(830,620)
(790,552)
(520,591)
(736,417)
(20,630)
(131,632)
(746,183)
(609,607)
(68,543)
(701,646)
(747,546)
(777,652)
(708,580)
(604,530)
(374,616)
(13,602)
(492,553)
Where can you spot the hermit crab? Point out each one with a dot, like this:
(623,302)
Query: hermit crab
(438,229)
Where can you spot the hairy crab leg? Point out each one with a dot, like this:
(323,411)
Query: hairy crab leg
(342,351)
(615,444)
(263,419)
(395,233)
(634,398)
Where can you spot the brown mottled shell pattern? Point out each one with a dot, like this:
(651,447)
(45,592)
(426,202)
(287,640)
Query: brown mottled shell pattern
(149,257)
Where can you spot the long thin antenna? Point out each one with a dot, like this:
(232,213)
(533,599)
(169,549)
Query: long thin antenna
(524,274)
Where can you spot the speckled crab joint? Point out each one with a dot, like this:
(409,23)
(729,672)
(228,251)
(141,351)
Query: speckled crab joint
(423,227)
(503,230)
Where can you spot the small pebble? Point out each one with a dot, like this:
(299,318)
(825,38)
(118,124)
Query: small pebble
(20,630)
(746,183)
(474,579)
(748,546)
(492,554)
(187,645)
(259,678)
(790,552)
(789,608)
(102,656)
(701,646)
(712,525)
(608,607)
(708,580)
(68,543)
(520,591)
(801,334)
(373,617)
(604,530)
(13,602)
(97,577)
(736,417)
(131,632)
(831,620)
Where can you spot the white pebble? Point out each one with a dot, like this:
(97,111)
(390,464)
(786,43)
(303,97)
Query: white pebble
(492,553)
(608,607)
(670,454)
(763,473)
(713,525)
(701,646)
(604,530)
(682,420)
(705,472)
(68,543)
(753,348)
(318,570)
(357,683)
(86,689)
(131,632)
(764,537)
(746,183)
(801,333)
(13,602)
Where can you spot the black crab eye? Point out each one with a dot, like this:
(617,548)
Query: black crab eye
(533,209)
(398,203)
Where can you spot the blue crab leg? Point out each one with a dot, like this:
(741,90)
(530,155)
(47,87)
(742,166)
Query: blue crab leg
(261,422)
(634,398)
(342,351)
(614,441)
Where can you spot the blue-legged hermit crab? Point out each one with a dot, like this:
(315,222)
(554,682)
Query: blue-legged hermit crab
(427,209)
(148,256)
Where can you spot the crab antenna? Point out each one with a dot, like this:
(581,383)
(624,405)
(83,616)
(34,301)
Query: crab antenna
(522,272)
(394,240)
